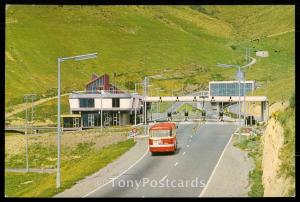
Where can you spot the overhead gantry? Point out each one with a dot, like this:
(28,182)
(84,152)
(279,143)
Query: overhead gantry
(216,99)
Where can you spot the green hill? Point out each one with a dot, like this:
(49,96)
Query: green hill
(181,45)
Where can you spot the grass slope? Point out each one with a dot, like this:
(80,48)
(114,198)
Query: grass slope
(133,41)
(43,184)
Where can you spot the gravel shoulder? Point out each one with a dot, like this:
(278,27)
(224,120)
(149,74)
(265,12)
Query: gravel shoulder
(231,176)
(105,174)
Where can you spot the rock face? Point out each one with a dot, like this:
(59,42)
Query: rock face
(272,142)
(255,109)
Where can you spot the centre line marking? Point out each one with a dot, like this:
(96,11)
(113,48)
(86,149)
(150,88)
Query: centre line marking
(183,153)
(176,164)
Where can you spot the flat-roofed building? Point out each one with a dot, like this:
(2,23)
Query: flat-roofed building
(102,98)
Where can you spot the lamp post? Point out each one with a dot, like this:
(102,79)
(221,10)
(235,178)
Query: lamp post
(135,85)
(135,88)
(101,114)
(26,98)
(239,77)
(135,111)
(27,163)
(60,60)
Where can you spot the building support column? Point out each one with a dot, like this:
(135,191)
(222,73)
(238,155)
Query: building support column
(262,110)
(267,102)
(81,121)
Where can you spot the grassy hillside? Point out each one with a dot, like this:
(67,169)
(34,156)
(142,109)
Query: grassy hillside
(133,41)
(178,45)
(254,21)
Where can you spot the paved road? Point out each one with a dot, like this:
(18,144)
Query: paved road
(197,155)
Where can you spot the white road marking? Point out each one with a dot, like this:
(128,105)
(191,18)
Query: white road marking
(214,170)
(98,188)
(175,164)
(187,145)
(191,135)
(183,153)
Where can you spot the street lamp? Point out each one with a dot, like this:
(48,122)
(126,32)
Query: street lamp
(135,84)
(240,76)
(26,98)
(59,60)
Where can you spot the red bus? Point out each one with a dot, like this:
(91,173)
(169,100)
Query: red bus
(162,137)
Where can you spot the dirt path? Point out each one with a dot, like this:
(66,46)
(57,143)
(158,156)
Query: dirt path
(251,63)
(21,107)
(280,33)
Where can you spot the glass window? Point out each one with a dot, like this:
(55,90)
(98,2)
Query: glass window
(230,89)
(86,102)
(116,102)
(160,133)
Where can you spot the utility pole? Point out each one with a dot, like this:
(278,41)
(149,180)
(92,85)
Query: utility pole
(114,82)
(244,100)
(135,111)
(239,78)
(27,97)
(145,106)
(145,103)
(101,115)
(26,134)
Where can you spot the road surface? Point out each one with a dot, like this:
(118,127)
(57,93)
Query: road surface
(184,173)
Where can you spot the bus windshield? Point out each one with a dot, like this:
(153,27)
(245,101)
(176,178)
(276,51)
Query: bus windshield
(161,133)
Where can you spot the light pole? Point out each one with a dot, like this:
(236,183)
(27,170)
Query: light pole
(59,60)
(135,111)
(145,103)
(101,114)
(27,163)
(244,118)
(26,98)
(135,88)
(240,76)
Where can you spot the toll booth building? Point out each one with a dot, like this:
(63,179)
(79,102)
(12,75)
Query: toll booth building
(102,104)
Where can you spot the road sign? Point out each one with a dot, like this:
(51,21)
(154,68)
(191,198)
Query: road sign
(134,130)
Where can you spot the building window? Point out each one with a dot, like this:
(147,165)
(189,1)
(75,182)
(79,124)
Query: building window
(230,89)
(116,102)
(87,103)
